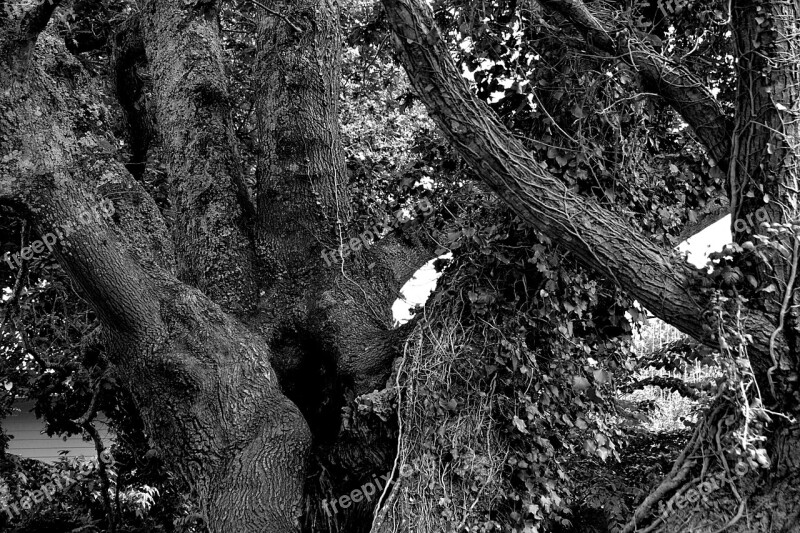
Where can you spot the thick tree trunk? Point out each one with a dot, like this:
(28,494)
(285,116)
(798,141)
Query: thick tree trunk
(328,318)
(192,102)
(211,402)
(765,169)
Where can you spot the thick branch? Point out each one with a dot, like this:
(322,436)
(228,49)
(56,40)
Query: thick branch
(406,253)
(193,103)
(597,238)
(59,173)
(672,384)
(711,213)
(23,25)
(677,85)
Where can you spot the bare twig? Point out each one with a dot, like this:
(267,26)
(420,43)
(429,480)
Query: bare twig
(91,411)
(279,15)
(98,446)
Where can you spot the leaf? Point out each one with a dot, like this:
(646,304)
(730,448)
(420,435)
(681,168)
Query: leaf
(520,424)
(603,453)
(600,376)
(589,446)
(580,383)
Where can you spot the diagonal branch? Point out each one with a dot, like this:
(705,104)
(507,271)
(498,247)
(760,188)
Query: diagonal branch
(711,213)
(599,239)
(681,89)
(23,24)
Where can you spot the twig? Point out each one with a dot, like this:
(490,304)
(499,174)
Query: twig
(14,308)
(91,411)
(98,446)
(279,15)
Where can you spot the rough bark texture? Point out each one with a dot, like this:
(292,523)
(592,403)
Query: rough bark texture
(327,318)
(211,402)
(304,208)
(677,85)
(765,139)
(597,237)
(191,99)
(302,175)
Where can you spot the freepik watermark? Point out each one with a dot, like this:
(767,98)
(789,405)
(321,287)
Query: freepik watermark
(747,224)
(701,492)
(105,209)
(63,482)
(365,492)
(366,238)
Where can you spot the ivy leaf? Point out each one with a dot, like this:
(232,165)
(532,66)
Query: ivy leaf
(603,453)
(580,383)
(520,424)
(600,376)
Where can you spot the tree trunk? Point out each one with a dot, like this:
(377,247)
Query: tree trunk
(211,403)
(192,102)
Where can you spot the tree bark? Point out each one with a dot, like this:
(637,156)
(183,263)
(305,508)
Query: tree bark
(599,239)
(210,400)
(192,101)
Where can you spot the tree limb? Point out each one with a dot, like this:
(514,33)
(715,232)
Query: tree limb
(599,239)
(672,384)
(192,99)
(22,26)
(680,88)
(406,253)
(711,213)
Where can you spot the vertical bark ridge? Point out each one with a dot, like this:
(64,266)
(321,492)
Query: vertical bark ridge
(192,99)
(302,195)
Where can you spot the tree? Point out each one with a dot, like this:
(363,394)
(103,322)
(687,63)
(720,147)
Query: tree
(766,70)
(221,314)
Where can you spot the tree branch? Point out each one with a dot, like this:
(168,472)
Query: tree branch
(63,187)
(192,99)
(672,384)
(681,89)
(22,26)
(599,239)
(406,253)
(711,213)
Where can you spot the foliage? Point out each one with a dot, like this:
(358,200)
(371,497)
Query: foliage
(77,503)
(60,329)
(510,371)
(507,387)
